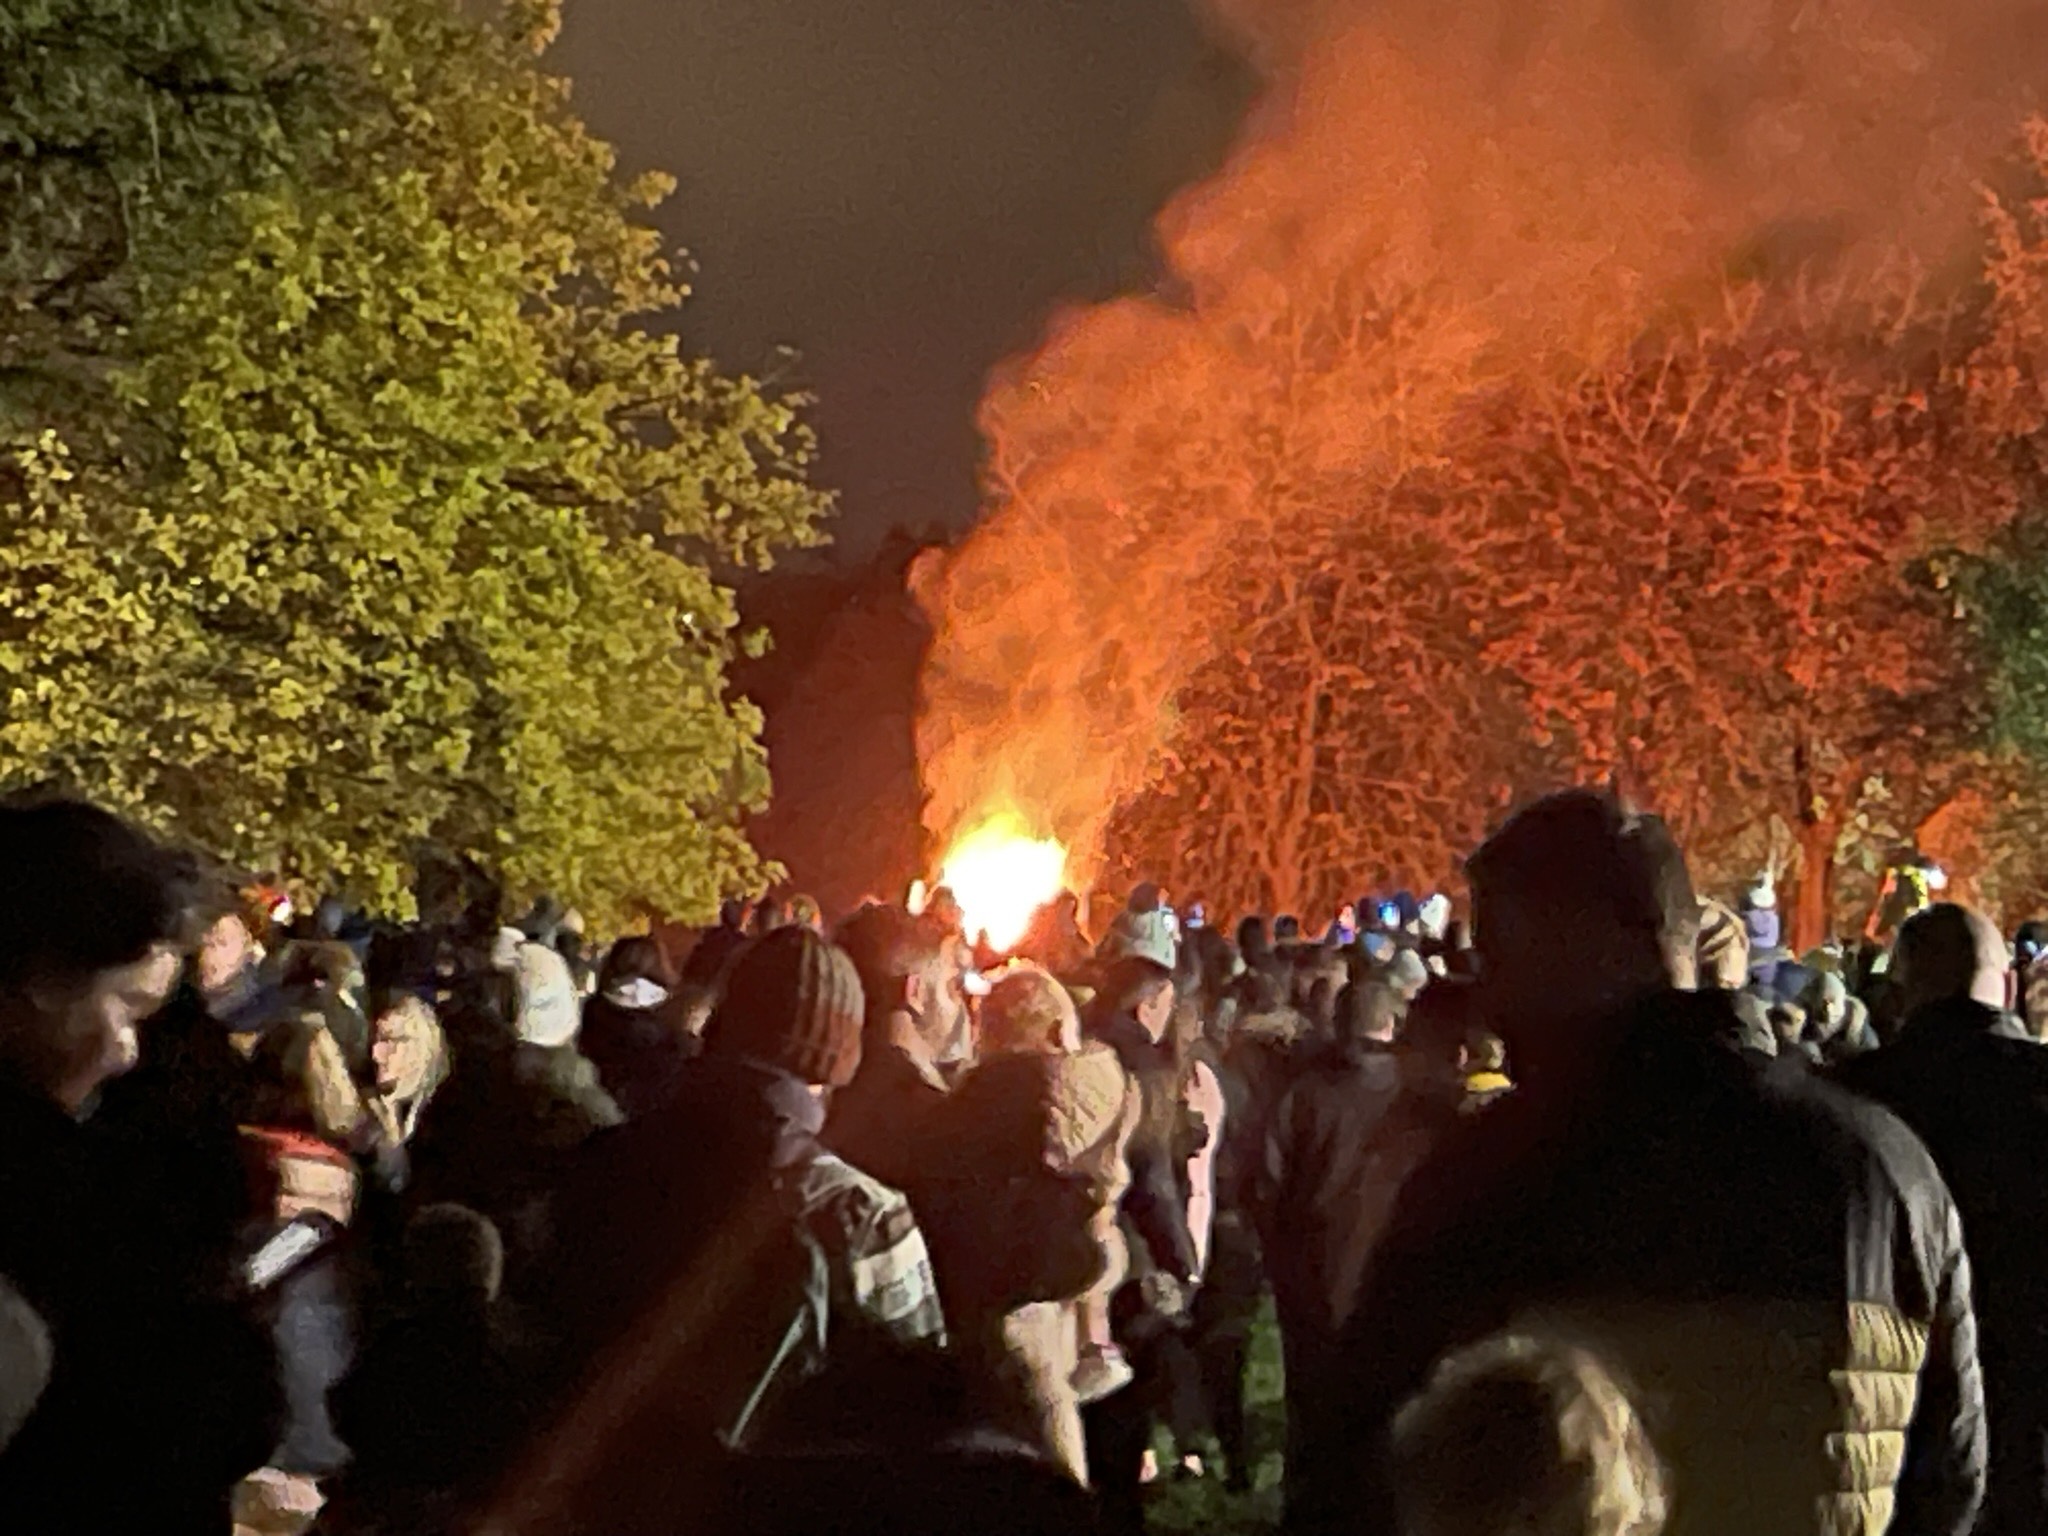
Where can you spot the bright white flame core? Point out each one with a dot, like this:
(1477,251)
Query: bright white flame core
(1002,875)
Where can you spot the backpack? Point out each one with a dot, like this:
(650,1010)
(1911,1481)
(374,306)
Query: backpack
(786,1338)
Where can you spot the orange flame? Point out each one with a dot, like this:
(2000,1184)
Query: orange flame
(1002,875)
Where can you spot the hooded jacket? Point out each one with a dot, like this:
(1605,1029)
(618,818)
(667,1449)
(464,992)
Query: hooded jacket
(1974,1085)
(1774,1266)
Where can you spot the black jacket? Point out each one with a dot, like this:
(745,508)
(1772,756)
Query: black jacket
(161,1398)
(1339,1146)
(640,1053)
(1974,1085)
(1774,1266)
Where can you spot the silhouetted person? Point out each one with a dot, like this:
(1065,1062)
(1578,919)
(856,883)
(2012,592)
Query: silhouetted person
(159,1398)
(1968,1077)
(1340,1145)
(1774,1265)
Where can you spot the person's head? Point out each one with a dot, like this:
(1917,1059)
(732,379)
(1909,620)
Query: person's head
(1946,952)
(1368,1013)
(93,926)
(637,974)
(225,949)
(1440,1023)
(408,1050)
(1788,1023)
(1027,1010)
(451,1261)
(1407,974)
(805,912)
(1253,942)
(1519,1436)
(25,1358)
(736,914)
(1145,897)
(910,970)
(1723,949)
(1147,935)
(1286,929)
(1826,1000)
(1141,989)
(944,912)
(1580,906)
(793,1002)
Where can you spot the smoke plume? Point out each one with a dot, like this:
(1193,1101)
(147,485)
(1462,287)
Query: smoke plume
(1427,200)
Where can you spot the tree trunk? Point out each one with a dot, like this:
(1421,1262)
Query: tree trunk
(1813,907)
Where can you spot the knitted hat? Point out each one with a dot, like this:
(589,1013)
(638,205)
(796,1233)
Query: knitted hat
(793,1001)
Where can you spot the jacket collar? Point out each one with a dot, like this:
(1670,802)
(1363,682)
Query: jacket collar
(1956,1017)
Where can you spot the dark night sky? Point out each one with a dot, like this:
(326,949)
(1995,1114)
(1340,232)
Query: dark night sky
(901,190)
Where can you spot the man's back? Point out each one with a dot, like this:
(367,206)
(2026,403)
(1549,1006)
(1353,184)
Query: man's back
(1340,1146)
(1774,1268)
(1974,1086)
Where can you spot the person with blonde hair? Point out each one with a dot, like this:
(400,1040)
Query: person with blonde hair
(1525,1436)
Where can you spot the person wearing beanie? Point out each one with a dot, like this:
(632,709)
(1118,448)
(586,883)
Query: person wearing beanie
(696,1328)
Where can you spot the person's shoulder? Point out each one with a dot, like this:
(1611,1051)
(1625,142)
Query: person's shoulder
(1853,1124)
(829,1181)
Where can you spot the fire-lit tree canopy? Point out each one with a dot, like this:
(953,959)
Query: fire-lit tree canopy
(385,522)
(1587,396)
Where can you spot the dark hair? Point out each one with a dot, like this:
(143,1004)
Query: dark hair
(639,956)
(1442,1019)
(451,1254)
(81,890)
(1584,850)
(888,947)
(1253,942)
(1363,1010)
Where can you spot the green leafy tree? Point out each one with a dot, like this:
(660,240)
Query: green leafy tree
(412,533)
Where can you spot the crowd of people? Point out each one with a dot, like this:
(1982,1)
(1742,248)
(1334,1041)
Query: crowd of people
(1620,1220)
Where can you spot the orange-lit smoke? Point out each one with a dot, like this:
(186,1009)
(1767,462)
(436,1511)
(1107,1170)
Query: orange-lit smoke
(1427,199)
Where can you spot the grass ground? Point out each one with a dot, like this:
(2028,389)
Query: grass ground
(1201,1506)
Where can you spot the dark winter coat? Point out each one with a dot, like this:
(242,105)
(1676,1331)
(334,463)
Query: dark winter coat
(639,1053)
(1339,1146)
(431,1411)
(1773,1264)
(160,1399)
(673,1289)
(1974,1085)
(888,1121)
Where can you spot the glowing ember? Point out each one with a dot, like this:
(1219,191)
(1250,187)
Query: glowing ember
(1002,875)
